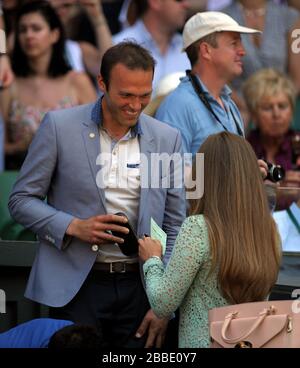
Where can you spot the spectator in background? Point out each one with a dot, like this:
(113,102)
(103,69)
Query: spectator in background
(270,98)
(35,333)
(6,78)
(128,13)
(43,79)
(6,74)
(216,5)
(221,4)
(270,50)
(10,9)
(222,249)
(212,41)
(83,55)
(53,334)
(157,31)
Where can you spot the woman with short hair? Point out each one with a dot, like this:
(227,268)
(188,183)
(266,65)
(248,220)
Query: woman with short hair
(270,97)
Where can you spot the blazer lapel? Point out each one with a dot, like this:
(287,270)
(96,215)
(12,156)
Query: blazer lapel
(90,134)
(147,147)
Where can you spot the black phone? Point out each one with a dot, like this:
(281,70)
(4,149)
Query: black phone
(130,246)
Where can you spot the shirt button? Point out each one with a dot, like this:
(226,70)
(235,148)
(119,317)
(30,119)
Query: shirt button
(95,248)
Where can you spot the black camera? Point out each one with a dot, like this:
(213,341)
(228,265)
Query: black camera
(130,246)
(275,172)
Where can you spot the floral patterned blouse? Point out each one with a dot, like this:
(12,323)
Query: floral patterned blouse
(185,283)
(24,120)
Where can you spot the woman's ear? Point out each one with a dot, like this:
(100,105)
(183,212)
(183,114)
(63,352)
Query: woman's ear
(55,34)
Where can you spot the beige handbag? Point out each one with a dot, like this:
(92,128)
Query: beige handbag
(269,324)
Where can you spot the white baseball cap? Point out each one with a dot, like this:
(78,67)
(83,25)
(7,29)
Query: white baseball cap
(203,24)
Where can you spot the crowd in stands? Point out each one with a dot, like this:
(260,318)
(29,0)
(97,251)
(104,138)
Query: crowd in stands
(79,79)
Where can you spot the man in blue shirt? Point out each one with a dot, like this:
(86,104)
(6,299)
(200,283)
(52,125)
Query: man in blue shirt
(213,45)
(156,30)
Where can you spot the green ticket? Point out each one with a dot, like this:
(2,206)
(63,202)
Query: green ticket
(157,233)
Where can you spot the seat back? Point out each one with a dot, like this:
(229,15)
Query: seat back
(9,229)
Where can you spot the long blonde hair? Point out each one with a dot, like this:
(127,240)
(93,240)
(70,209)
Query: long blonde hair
(245,246)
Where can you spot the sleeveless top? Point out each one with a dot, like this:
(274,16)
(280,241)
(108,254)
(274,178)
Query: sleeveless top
(24,120)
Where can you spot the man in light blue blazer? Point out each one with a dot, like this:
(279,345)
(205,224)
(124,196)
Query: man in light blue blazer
(76,162)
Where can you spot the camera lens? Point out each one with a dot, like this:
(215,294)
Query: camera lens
(275,172)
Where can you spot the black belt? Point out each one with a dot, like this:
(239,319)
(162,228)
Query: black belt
(116,267)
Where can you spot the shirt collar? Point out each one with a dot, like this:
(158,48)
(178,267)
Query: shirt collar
(140,28)
(96,117)
(225,92)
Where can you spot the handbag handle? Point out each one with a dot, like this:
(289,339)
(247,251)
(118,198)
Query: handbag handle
(258,321)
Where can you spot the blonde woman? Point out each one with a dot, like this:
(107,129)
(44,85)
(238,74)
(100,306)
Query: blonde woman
(270,97)
(222,249)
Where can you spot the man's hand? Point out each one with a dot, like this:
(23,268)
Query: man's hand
(156,328)
(92,7)
(95,230)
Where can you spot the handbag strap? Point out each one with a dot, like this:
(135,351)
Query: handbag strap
(256,324)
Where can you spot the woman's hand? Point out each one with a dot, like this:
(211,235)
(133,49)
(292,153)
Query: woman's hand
(149,247)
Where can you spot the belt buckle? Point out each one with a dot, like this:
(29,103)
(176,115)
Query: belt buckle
(117,267)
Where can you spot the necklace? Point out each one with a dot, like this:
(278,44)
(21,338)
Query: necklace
(293,219)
